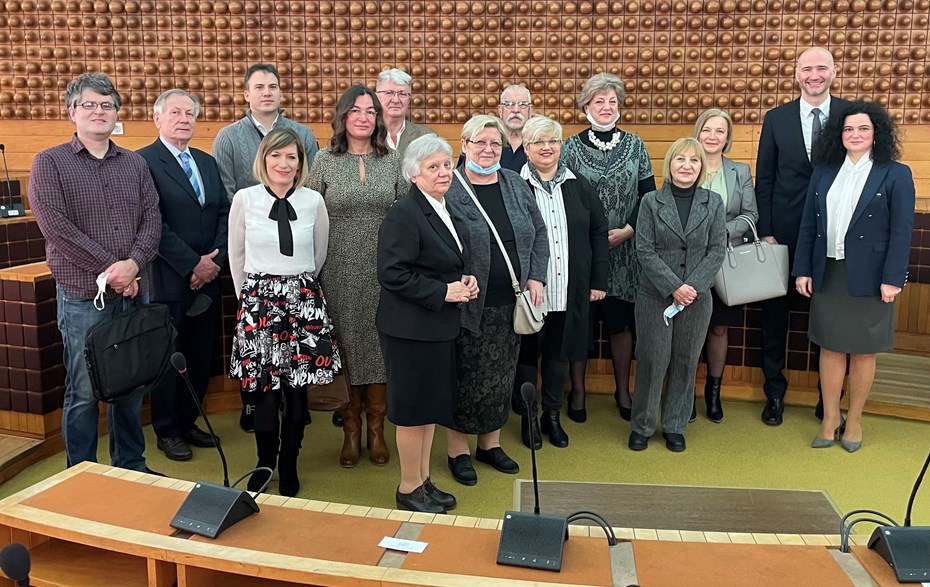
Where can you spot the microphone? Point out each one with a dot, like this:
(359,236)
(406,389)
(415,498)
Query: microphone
(13,209)
(209,508)
(16,564)
(535,541)
(917,483)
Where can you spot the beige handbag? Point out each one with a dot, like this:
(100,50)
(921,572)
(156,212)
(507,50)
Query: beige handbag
(527,318)
(752,272)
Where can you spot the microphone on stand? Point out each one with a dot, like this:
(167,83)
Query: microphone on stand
(532,540)
(11,210)
(209,508)
(16,564)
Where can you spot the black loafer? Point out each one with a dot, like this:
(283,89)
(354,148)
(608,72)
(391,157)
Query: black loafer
(772,414)
(462,470)
(174,448)
(638,441)
(674,442)
(418,500)
(497,458)
(446,500)
(197,437)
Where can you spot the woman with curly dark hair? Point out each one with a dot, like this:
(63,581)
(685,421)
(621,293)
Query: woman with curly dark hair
(359,177)
(852,256)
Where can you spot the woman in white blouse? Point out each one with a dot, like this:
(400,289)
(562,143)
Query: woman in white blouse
(852,256)
(283,341)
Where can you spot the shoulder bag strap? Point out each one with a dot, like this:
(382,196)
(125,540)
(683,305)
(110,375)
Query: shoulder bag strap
(513,277)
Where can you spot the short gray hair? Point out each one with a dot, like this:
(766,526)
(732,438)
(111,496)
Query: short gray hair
(479,122)
(599,83)
(419,149)
(516,88)
(95,82)
(160,102)
(539,126)
(398,76)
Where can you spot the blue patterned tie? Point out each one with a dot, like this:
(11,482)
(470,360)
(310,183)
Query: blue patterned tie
(186,166)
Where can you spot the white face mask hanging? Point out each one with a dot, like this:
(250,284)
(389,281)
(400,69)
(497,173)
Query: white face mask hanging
(670,312)
(99,302)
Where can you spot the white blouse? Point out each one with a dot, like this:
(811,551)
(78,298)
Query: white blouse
(253,237)
(842,199)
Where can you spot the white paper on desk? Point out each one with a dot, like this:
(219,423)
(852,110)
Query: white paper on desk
(404,545)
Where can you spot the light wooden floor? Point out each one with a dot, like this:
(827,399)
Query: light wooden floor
(902,379)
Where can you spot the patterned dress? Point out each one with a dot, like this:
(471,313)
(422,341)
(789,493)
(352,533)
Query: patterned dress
(349,278)
(615,174)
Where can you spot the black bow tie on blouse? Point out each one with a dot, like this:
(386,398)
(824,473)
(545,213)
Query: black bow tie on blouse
(284,218)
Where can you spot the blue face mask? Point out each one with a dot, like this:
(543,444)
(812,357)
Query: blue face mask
(475,168)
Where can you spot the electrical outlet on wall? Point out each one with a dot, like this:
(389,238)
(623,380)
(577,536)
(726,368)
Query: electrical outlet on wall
(118,129)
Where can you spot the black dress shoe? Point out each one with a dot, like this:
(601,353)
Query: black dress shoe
(550,425)
(418,500)
(156,473)
(337,419)
(638,441)
(525,433)
(772,414)
(497,458)
(625,413)
(197,437)
(174,448)
(446,500)
(674,442)
(462,470)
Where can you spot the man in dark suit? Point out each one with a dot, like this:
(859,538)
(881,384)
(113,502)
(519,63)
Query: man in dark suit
(194,209)
(783,172)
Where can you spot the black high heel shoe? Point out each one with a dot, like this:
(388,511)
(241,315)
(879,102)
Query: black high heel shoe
(574,415)
(625,413)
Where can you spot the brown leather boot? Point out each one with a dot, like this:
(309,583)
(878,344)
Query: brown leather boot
(352,429)
(375,411)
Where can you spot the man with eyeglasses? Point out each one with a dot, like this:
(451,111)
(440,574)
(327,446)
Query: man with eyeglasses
(235,146)
(97,207)
(393,90)
(515,109)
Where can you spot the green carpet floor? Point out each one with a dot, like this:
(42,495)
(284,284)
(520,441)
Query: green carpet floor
(740,452)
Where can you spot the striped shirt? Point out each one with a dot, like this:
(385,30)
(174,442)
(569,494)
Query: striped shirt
(93,213)
(552,208)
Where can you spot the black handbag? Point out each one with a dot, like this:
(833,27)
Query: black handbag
(129,350)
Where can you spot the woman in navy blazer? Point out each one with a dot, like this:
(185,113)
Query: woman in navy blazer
(852,256)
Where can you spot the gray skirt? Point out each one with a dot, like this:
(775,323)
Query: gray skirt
(849,324)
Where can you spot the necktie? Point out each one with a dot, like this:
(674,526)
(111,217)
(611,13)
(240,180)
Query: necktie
(816,127)
(186,166)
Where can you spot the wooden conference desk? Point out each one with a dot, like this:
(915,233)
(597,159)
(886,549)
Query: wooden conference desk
(97,525)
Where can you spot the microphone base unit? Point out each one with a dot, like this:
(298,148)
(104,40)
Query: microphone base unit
(12,210)
(906,549)
(534,541)
(210,509)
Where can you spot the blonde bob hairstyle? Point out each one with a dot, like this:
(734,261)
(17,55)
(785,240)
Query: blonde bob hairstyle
(276,140)
(599,83)
(712,113)
(679,147)
(479,122)
(540,126)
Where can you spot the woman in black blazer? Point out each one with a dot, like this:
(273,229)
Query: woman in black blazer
(852,256)
(420,269)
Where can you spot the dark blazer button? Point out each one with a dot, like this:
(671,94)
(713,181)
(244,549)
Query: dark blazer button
(682,265)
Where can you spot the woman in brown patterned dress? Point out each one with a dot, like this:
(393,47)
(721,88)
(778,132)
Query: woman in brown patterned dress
(359,177)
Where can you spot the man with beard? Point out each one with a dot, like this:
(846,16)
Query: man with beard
(516,107)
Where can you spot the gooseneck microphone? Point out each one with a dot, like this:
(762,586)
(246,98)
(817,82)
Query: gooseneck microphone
(16,564)
(179,362)
(12,209)
(528,393)
(917,483)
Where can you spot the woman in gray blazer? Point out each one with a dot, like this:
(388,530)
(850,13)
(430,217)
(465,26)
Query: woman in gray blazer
(732,181)
(488,347)
(680,243)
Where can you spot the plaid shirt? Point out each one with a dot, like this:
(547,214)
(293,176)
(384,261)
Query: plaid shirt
(93,213)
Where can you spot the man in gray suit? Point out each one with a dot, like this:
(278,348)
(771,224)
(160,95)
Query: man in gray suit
(394,93)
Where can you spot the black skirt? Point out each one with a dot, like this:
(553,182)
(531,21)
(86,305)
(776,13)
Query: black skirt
(724,315)
(421,380)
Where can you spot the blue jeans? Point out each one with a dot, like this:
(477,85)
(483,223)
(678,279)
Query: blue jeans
(81,411)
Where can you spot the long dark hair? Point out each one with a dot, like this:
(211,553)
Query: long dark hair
(339,144)
(886,146)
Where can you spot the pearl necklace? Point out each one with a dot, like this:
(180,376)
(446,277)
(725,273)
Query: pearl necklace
(601,145)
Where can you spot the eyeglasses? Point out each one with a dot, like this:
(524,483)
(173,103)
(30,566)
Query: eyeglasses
(516,104)
(394,94)
(106,106)
(359,112)
(495,145)
(547,143)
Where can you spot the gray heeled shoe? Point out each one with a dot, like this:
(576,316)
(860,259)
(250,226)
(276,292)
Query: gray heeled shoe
(821,442)
(850,446)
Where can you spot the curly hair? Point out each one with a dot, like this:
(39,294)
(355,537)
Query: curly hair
(886,144)
(339,144)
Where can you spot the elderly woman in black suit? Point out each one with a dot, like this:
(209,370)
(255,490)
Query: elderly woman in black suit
(852,256)
(488,347)
(420,268)
(732,181)
(681,243)
(576,226)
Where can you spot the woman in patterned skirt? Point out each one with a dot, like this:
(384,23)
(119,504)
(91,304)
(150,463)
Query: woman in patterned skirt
(359,177)
(617,164)
(283,341)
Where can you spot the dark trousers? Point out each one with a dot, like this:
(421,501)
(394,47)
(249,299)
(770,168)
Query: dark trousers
(173,409)
(548,344)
